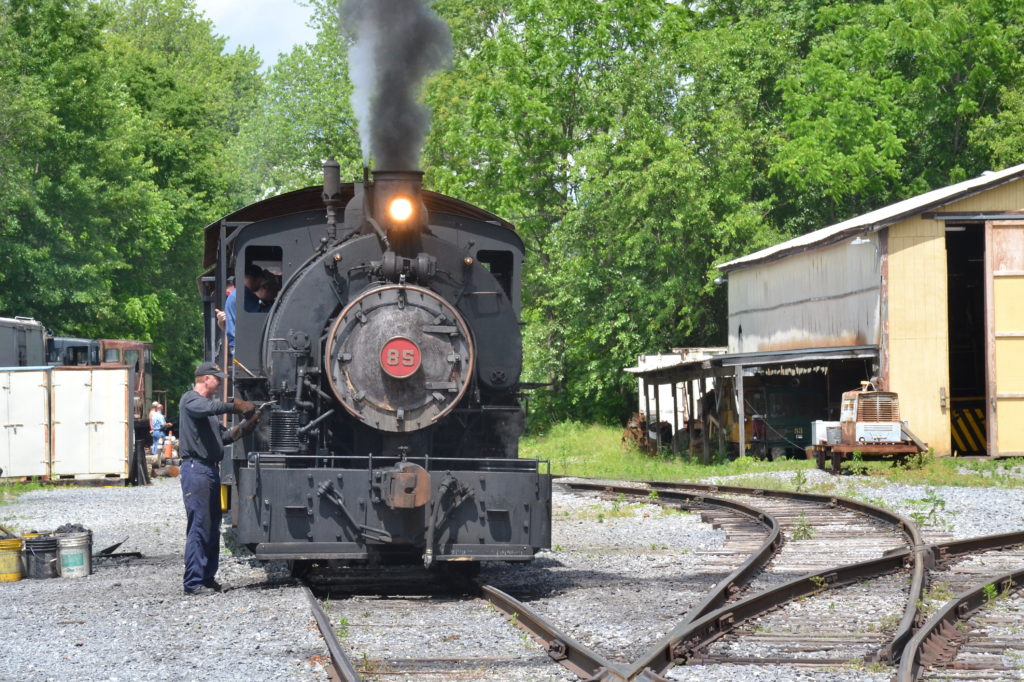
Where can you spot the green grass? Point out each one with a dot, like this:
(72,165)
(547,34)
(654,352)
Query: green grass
(9,492)
(597,451)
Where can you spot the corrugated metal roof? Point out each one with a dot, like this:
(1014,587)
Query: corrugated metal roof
(880,217)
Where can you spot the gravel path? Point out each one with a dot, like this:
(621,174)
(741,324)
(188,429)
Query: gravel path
(618,577)
(947,512)
(620,574)
(421,639)
(130,621)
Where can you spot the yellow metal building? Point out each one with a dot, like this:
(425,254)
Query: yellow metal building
(928,293)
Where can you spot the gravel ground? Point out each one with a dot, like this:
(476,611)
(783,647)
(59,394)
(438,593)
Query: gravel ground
(948,512)
(610,561)
(419,639)
(130,621)
(619,575)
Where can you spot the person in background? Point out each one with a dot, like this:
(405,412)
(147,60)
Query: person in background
(158,426)
(201,441)
(266,292)
(226,317)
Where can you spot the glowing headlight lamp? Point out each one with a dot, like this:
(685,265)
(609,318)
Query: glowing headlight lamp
(400,209)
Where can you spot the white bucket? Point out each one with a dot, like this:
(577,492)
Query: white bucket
(75,553)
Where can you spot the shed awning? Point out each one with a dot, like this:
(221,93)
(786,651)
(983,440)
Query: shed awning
(783,357)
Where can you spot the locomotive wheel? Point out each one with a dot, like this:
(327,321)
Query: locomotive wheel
(459,575)
(299,569)
(399,358)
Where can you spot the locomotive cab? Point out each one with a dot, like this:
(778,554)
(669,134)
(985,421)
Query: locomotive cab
(390,362)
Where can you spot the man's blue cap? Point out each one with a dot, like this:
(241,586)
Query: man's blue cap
(209,369)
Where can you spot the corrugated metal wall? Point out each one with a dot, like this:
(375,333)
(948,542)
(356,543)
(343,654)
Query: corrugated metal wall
(827,297)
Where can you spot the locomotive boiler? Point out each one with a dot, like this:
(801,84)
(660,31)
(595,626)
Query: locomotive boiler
(389,364)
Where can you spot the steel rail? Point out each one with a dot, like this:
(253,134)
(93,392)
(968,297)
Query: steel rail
(561,648)
(341,666)
(691,634)
(935,637)
(922,558)
(684,641)
(942,551)
(729,586)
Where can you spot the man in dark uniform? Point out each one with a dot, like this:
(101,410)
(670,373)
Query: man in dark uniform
(201,445)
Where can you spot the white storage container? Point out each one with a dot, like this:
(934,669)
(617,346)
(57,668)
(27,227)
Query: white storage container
(825,432)
(25,425)
(91,422)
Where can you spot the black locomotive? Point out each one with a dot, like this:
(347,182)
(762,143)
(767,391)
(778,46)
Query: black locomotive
(390,361)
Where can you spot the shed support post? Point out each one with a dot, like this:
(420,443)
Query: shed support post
(657,418)
(719,385)
(705,444)
(691,427)
(675,417)
(647,399)
(740,411)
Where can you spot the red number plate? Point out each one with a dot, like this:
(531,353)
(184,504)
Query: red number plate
(400,357)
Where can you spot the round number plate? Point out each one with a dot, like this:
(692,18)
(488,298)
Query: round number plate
(400,357)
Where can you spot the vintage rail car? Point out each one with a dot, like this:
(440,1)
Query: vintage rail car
(392,357)
(25,342)
(22,342)
(869,426)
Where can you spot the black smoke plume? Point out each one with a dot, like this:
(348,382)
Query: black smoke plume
(395,45)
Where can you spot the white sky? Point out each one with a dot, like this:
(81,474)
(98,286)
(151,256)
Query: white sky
(272,26)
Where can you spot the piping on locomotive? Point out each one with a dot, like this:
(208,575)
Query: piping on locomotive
(393,355)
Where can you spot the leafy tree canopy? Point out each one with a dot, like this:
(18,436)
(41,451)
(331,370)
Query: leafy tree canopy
(635,144)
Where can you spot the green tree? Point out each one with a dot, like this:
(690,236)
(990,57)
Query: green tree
(116,120)
(610,136)
(191,98)
(79,192)
(884,105)
(303,115)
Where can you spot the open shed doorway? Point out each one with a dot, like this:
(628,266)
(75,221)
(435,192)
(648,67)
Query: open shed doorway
(965,267)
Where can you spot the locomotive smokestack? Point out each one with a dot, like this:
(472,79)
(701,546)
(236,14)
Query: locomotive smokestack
(332,194)
(395,45)
(398,208)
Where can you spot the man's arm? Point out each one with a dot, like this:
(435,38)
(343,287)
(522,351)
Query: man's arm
(196,406)
(246,427)
(229,318)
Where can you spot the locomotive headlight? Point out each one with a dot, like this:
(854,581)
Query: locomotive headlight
(400,209)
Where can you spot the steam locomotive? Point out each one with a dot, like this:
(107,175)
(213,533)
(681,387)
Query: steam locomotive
(389,367)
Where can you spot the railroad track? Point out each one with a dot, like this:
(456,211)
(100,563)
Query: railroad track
(974,613)
(830,542)
(778,592)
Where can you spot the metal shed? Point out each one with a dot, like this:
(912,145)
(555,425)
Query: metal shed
(929,291)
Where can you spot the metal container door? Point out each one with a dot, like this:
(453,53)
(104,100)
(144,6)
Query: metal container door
(108,422)
(70,390)
(26,423)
